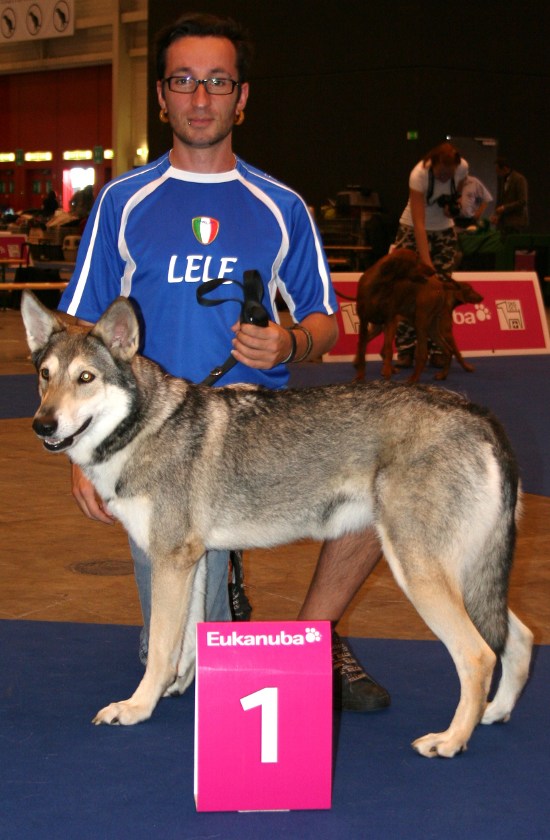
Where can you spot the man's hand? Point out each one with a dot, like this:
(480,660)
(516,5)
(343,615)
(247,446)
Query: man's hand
(87,499)
(260,347)
(265,347)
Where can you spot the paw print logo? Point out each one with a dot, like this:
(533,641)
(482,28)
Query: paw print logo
(312,635)
(482,313)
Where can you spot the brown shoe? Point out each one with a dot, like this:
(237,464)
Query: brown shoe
(353,689)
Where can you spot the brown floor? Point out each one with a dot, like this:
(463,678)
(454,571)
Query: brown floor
(56,565)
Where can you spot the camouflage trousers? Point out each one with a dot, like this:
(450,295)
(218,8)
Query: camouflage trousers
(443,251)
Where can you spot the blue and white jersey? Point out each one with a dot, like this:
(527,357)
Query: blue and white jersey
(156,233)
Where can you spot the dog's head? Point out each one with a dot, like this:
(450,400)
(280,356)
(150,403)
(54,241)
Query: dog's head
(84,377)
(459,292)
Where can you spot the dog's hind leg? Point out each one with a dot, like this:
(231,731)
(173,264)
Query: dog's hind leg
(390,330)
(439,602)
(444,612)
(366,333)
(172,580)
(515,659)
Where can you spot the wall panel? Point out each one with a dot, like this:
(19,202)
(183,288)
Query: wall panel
(336,87)
(54,111)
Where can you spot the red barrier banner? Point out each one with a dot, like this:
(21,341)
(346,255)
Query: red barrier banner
(510,321)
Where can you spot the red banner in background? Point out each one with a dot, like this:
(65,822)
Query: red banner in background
(511,320)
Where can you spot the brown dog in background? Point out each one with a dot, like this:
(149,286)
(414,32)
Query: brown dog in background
(400,287)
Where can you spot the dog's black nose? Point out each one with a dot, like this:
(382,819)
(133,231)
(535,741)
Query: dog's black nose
(44,426)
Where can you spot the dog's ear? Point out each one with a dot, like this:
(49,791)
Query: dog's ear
(40,324)
(118,329)
(468,294)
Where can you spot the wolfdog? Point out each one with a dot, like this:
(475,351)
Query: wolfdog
(187,468)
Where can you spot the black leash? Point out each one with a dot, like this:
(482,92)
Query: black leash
(252,311)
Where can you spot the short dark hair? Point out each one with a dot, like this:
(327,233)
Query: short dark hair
(202,24)
(503,163)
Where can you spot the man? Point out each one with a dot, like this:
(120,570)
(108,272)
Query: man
(511,214)
(197,213)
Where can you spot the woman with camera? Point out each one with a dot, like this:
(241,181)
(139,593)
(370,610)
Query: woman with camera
(427,224)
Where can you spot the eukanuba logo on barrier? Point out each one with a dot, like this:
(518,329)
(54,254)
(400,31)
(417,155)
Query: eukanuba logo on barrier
(282,638)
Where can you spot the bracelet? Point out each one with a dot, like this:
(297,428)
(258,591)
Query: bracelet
(309,338)
(293,347)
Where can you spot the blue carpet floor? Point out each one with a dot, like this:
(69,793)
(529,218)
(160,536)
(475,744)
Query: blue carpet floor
(515,388)
(62,778)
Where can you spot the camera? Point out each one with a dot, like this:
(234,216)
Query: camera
(451,202)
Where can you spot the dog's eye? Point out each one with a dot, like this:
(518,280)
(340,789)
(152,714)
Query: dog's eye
(44,373)
(86,377)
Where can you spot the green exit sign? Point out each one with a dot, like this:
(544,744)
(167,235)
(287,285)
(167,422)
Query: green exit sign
(412,135)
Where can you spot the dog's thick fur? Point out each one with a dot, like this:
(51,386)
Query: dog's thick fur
(186,467)
(400,287)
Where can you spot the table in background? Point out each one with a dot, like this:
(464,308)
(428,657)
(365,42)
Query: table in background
(353,257)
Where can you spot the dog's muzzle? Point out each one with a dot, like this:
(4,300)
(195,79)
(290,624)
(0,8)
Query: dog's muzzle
(45,428)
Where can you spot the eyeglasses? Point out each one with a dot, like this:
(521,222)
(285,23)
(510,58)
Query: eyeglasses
(214,85)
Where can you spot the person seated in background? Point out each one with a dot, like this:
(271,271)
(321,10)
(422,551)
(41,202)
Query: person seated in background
(50,204)
(474,200)
(82,202)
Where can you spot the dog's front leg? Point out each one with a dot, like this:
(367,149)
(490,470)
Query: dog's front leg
(459,357)
(195,613)
(172,579)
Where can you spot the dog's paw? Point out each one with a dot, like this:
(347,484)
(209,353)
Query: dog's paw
(495,713)
(124,713)
(181,683)
(439,744)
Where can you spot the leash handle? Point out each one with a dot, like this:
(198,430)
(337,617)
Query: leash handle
(252,311)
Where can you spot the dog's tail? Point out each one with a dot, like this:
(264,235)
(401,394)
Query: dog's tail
(346,297)
(486,588)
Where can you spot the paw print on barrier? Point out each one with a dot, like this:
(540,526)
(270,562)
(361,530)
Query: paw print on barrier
(482,313)
(312,635)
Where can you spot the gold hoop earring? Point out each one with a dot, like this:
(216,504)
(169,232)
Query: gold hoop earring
(163,116)
(239,118)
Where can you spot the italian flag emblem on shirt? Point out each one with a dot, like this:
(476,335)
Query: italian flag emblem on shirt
(205,229)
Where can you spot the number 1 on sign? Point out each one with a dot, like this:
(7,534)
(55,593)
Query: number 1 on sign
(268,699)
